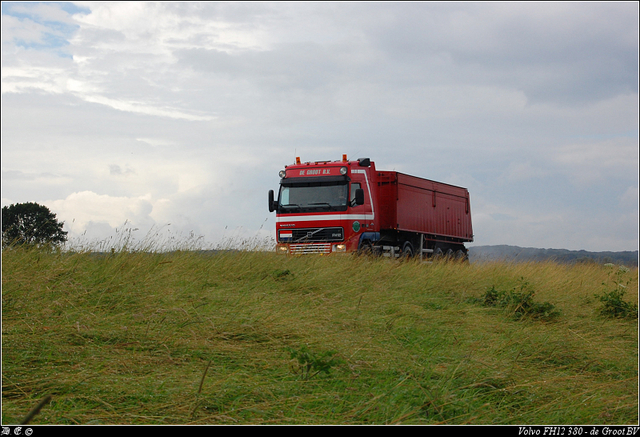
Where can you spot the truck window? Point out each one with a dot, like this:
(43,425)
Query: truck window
(321,196)
(284,197)
(354,187)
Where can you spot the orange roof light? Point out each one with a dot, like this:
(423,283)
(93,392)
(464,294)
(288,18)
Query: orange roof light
(297,160)
(344,157)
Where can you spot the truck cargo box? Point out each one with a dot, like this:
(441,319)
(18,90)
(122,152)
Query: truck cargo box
(413,204)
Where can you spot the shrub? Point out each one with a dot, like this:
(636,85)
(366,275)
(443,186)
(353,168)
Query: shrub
(613,304)
(519,302)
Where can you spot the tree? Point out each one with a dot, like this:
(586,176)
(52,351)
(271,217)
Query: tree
(31,224)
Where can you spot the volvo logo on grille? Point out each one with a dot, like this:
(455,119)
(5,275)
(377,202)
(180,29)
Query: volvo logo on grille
(309,234)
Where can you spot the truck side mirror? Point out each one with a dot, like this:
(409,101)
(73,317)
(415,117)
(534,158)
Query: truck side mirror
(271,202)
(359,196)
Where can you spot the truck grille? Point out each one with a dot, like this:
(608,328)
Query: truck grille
(311,235)
(305,249)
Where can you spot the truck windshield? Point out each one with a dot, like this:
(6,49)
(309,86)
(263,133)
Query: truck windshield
(306,197)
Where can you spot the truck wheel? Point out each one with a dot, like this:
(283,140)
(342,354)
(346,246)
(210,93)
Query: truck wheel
(366,248)
(461,256)
(407,250)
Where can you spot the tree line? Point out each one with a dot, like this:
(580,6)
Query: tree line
(524,254)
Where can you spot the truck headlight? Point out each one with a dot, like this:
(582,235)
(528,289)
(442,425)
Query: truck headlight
(282,249)
(340,247)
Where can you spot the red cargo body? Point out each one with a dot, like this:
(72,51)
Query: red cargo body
(413,204)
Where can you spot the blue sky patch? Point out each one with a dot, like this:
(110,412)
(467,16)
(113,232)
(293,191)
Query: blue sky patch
(57,38)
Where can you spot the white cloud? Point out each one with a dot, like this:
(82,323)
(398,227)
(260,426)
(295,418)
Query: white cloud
(142,108)
(22,30)
(159,27)
(81,208)
(594,162)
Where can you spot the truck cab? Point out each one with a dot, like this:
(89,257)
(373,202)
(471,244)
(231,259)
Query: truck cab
(324,207)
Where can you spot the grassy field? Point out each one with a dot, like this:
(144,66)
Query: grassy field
(255,338)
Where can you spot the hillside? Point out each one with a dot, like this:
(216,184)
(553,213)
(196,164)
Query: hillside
(257,338)
(524,254)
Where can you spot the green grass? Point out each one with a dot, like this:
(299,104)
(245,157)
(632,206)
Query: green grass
(255,338)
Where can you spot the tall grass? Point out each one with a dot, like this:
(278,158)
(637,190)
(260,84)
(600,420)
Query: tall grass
(249,337)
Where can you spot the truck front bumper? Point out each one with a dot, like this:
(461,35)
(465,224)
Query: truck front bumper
(311,248)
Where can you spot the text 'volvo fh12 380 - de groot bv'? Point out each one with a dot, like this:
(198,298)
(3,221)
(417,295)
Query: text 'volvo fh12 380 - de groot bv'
(347,206)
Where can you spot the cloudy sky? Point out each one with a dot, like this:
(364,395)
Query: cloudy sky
(177,117)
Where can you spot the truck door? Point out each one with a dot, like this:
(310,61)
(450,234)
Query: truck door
(361,215)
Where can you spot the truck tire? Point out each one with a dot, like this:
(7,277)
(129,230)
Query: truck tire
(366,248)
(407,250)
(461,256)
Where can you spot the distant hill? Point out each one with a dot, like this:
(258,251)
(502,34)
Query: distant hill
(523,254)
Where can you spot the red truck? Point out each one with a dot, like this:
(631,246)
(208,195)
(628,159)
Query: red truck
(348,206)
